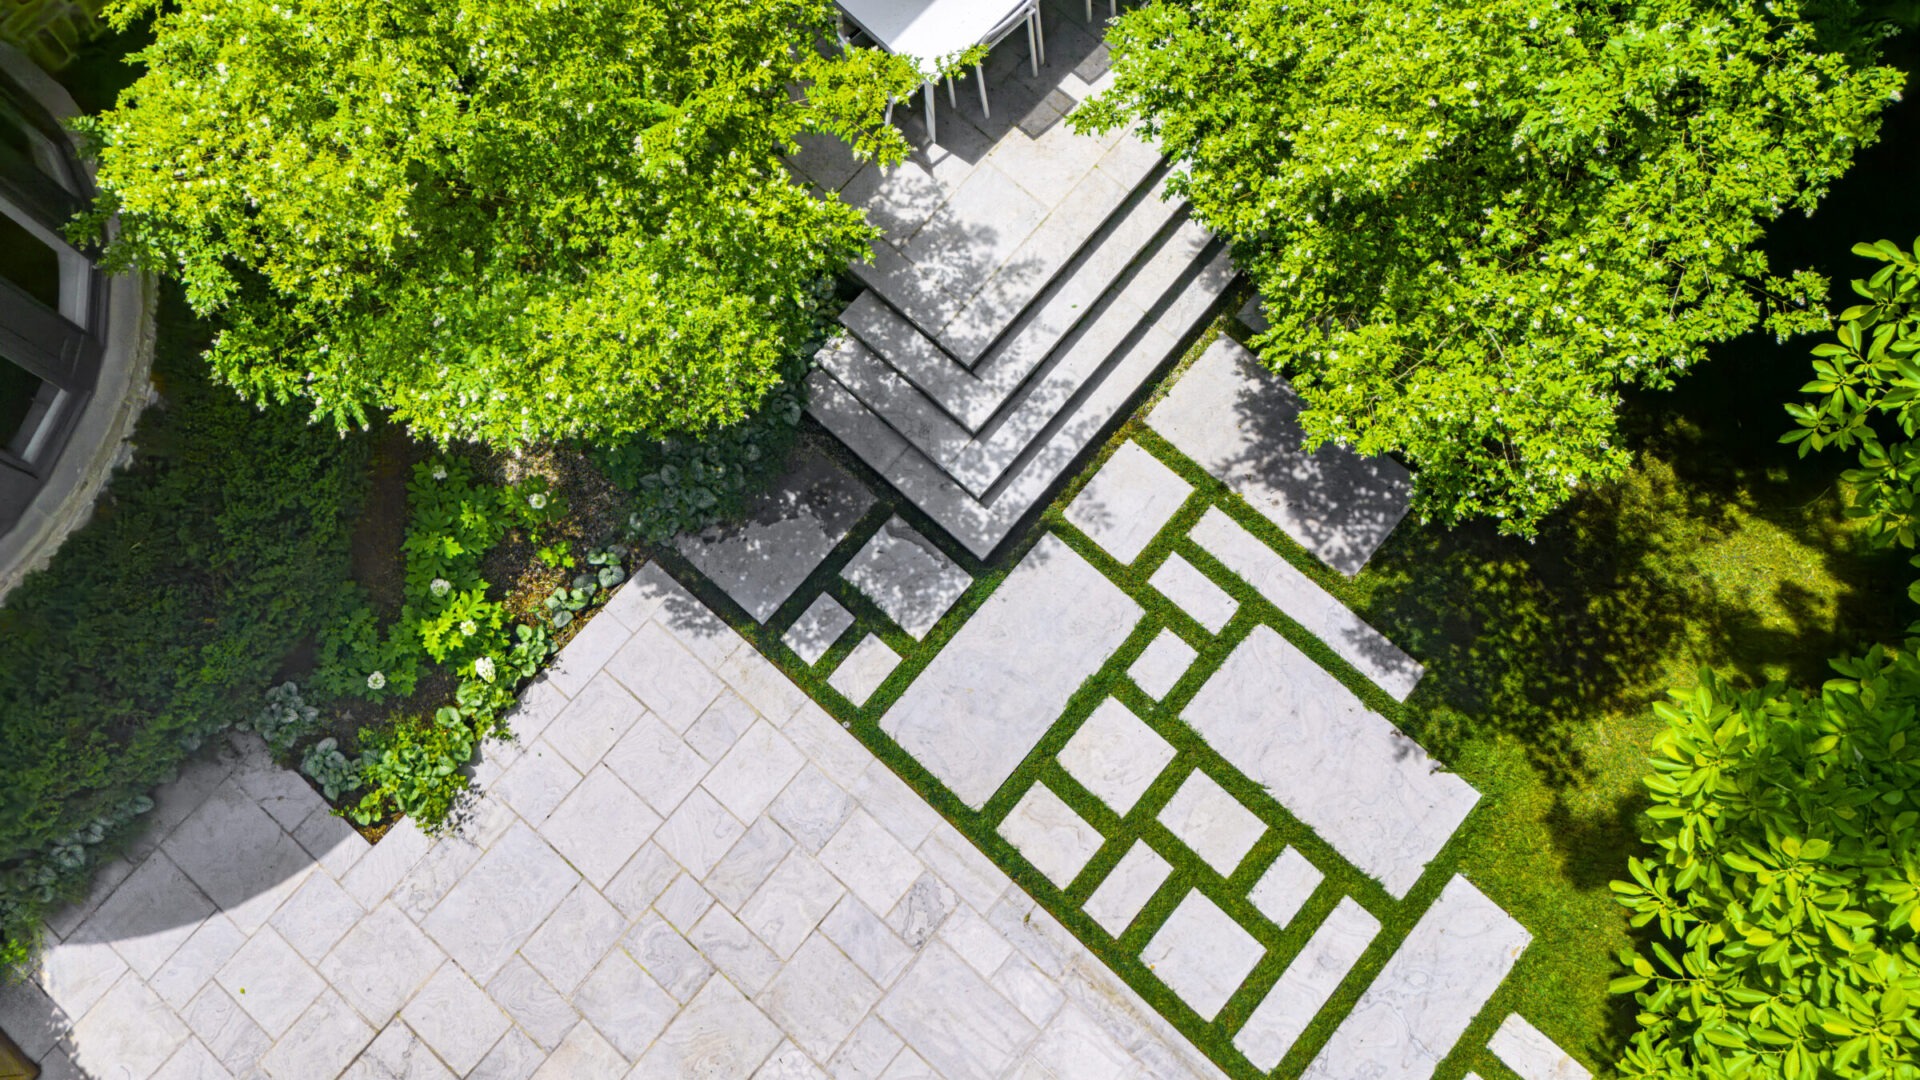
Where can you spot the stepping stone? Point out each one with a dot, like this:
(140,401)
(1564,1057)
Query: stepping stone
(1286,886)
(1162,664)
(1429,992)
(1128,502)
(1306,603)
(1053,838)
(864,669)
(913,581)
(817,628)
(1344,771)
(1116,756)
(788,531)
(1532,1055)
(1118,900)
(980,707)
(1277,1022)
(1194,593)
(1212,822)
(1202,954)
(1239,421)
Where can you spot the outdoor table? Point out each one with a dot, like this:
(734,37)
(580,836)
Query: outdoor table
(927,31)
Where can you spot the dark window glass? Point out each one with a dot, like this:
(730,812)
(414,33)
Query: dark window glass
(29,263)
(19,388)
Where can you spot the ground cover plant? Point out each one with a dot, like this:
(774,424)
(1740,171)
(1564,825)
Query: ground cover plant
(160,623)
(497,220)
(1556,204)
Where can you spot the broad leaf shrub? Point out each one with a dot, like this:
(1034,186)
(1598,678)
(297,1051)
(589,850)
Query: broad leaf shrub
(161,622)
(1783,895)
(1477,223)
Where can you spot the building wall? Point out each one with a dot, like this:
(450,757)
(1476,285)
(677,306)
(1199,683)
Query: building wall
(50,32)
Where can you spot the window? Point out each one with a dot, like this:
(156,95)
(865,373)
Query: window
(28,262)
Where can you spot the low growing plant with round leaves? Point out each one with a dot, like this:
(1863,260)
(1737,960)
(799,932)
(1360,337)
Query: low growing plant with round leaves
(1782,900)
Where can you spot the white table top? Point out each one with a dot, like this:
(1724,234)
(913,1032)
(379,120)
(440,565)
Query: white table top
(928,30)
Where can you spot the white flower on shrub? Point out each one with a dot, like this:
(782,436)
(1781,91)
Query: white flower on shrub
(377,681)
(440,587)
(439,472)
(469,627)
(483,667)
(537,500)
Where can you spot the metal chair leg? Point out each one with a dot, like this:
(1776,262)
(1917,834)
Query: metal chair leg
(1033,47)
(933,130)
(980,76)
(1040,29)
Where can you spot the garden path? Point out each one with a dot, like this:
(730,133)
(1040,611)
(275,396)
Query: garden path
(683,868)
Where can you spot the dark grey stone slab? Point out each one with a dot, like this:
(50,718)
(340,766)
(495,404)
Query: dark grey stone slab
(788,531)
(911,580)
(1346,772)
(983,703)
(1423,1000)
(1240,422)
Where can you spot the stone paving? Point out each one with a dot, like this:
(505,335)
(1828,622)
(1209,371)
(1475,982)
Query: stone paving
(684,868)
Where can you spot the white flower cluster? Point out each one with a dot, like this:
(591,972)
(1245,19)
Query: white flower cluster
(439,587)
(377,681)
(483,667)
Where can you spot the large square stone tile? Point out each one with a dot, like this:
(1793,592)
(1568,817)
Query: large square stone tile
(911,580)
(1116,756)
(1057,841)
(599,826)
(501,902)
(1118,900)
(1202,954)
(1128,502)
(1214,824)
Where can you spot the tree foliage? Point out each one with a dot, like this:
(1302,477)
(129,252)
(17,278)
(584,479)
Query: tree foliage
(502,220)
(1785,882)
(1475,224)
(1869,380)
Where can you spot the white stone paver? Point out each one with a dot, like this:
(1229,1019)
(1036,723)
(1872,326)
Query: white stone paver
(977,710)
(1194,593)
(817,628)
(1053,838)
(1128,502)
(911,580)
(1346,772)
(1161,665)
(1118,900)
(1285,587)
(1452,961)
(1286,886)
(1531,1054)
(1238,421)
(837,914)
(864,669)
(1210,821)
(1202,954)
(1116,756)
(1304,988)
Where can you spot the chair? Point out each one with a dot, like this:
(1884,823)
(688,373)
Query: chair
(1028,13)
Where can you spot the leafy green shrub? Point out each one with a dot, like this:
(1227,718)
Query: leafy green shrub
(284,720)
(1785,882)
(161,622)
(684,484)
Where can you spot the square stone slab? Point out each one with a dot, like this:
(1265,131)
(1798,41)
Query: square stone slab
(788,531)
(1531,1054)
(1239,422)
(1212,822)
(913,581)
(1425,997)
(1162,664)
(980,707)
(1285,887)
(1304,988)
(1116,755)
(1128,502)
(817,628)
(1202,954)
(1343,770)
(864,669)
(1194,593)
(1053,838)
(1133,882)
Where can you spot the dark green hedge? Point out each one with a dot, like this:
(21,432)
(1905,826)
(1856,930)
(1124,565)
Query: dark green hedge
(210,558)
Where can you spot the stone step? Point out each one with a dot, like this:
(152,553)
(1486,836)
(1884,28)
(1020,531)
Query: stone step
(978,460)
(973,396)
(982,523)
(968,318)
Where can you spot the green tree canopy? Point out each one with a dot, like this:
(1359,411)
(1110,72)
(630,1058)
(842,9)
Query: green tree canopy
(502,220)
(1476,222)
